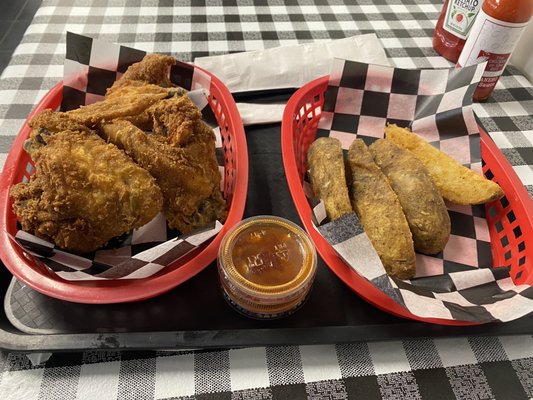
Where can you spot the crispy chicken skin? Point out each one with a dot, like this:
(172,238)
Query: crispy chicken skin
(142,85)
(142,104)
(188,176)
(116,107)
(84,193)
(177,119)
(133,88)
(147,98)
(174,116)
(49,122)
(153,68)
(52,121)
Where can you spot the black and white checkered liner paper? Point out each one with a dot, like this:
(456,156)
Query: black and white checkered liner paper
(459,283)
(91,66)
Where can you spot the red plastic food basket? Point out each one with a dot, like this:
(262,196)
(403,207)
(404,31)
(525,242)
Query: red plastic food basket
(35,274)
(510,219)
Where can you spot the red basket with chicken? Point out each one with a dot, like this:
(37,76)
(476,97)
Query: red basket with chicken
(138,179)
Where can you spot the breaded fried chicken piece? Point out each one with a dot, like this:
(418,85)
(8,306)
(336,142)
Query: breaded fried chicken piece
(84,192)
(49,122)
(116,107)
(153,68)
(53,121)
(142,104)
(135,88)
(154,117)
(188,176)
(176,119)
(145,97)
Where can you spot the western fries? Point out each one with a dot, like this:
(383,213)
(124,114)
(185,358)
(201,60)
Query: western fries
(456,183)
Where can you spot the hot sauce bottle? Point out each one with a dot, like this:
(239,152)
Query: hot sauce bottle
(496,31)
(454,24)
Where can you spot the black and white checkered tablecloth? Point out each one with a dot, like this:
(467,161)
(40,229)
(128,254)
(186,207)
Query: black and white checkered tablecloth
(465,368)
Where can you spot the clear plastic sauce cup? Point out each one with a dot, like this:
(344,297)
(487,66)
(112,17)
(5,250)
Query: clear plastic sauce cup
(267,266)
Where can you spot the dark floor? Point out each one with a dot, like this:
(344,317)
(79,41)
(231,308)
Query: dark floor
(15,16)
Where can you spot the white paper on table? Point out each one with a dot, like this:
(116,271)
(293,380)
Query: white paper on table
(286,67)
(253,113)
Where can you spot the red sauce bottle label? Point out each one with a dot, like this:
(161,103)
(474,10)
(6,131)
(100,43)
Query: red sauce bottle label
(460,16)
(493,41)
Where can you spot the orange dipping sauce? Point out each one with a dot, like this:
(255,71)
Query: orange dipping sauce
(266,266)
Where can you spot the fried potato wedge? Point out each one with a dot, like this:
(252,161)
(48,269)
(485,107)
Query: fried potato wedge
(456,183)
(328,180)
(380,212)
(420,198)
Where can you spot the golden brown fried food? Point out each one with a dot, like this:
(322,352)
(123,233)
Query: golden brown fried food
(115,107)
(188,176)
(99,191)
(153,68)
(48,122)
(144,120)
(175,119)
(133,88)
(53,121)
(380,212)
(456,183)
(326,171)
(420,198)
(145,97)
(84,192)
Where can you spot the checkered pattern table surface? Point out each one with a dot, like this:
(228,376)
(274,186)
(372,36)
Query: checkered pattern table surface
(465,368)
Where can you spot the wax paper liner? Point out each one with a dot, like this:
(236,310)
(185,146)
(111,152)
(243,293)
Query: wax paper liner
(460,283)
(91,66)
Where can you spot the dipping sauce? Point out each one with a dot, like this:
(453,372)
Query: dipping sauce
(266,266)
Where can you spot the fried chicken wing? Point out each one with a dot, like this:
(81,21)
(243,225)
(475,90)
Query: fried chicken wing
(173,116)
(48,122)
(153,68)
(116,107)
(53,121)
(84,192)
(133,88)
(176,119)
(145,119)
(188,176)
(147,106)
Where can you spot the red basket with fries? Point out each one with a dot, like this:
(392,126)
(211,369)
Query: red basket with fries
(510,219)
(32,272)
